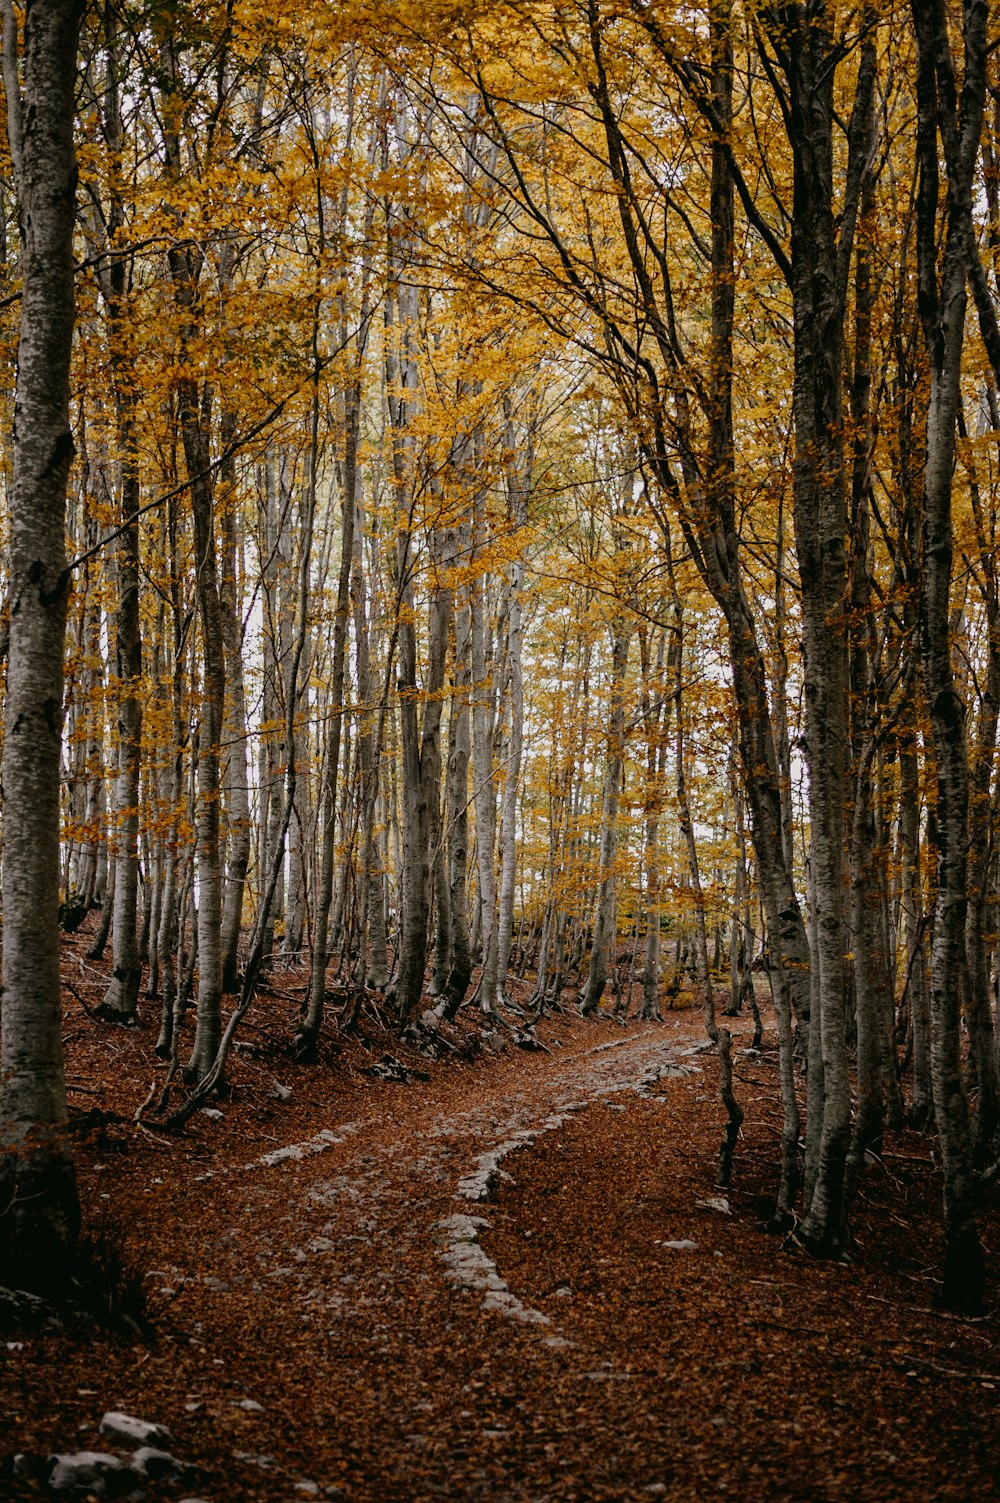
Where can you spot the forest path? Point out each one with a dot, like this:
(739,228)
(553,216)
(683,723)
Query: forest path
(338,1314)
(364,1310)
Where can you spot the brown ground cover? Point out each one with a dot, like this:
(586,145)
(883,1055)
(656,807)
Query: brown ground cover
(310,1336)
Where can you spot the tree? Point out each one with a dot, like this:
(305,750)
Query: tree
(957,115)
(38,1198)
(119,1004)
(801,39)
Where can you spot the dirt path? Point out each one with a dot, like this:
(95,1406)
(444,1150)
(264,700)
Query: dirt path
(342,1312)
(382,1314)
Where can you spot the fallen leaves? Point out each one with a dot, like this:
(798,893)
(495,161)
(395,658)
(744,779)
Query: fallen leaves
(308,1334)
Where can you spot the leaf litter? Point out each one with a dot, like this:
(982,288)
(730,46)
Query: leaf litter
(351,1298)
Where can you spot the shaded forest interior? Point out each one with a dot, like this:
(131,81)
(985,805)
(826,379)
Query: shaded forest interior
(501,520)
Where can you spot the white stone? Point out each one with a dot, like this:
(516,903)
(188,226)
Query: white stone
(715,1203)
(133,1432)
(80,1470)
(159,1465)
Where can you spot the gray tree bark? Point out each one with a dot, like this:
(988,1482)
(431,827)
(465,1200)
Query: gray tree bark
(822,236)
(942,303)
(519,479)
(655,712)
(373,960)
(39,1211)
(603,938)
(121,998)
(457,808)
(484,795)
(235,775)
(419,736)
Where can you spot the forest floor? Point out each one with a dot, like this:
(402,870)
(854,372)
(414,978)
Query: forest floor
(502,1279)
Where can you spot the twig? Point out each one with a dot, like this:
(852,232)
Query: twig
(929,1310)
(91,1012)
(269,988)
(147,1103)
(105,980)
(777,1325)
(947,1372)
(988,1176)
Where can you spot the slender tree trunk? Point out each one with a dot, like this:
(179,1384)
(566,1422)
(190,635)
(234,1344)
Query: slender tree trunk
(982,757)
(870,1116)
(869,977)
(519,480)
(425,769)
(701,967)
(604,936)
(654,712)
(121,998)
(457,813)
(373,964)
(305,1039)
(484,789)
(172,909)
(297,896)
(279,483)
(915,974)
(97,946)
(208,822)
(193,409)
(235,775)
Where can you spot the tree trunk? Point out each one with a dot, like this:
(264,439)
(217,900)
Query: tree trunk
(654,714)
(519,480)
(235,776)
(942,301)
(604,936)
(308,1033)
(676,663)
(483,787)
(39,1211)
(457,812)
(121,998)
(373,963)
(821,252)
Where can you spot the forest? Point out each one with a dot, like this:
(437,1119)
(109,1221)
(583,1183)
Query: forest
(500,507)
